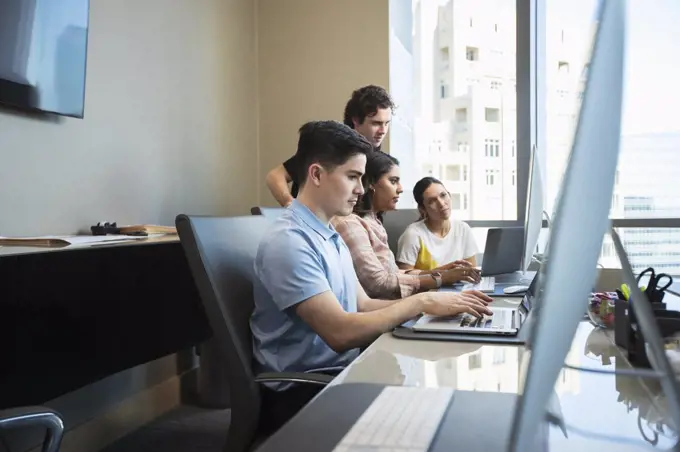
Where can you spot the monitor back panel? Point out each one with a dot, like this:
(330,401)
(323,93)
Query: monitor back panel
(503,251)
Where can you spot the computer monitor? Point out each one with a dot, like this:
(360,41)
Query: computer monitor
(580,223)
(533,218)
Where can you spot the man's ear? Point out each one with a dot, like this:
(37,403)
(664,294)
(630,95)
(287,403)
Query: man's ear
(314,174)
(356,122)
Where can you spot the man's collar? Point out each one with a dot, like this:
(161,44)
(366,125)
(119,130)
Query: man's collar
(325,231)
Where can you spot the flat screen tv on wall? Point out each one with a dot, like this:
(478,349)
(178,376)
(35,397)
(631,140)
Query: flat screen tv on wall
(43,55)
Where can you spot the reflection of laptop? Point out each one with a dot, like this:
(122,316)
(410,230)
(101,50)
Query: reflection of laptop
(504,321)
(503,254)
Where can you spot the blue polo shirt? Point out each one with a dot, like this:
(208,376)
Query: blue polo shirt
(298,258)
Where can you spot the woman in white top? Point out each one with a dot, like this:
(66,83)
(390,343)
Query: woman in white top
(435,240)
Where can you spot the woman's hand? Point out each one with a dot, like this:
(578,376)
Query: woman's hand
(456,264)
(462,273)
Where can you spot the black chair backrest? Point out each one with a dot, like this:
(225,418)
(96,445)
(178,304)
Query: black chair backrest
(270,213)
(395,223)
(221,252)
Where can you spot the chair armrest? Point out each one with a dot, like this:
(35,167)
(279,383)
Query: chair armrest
(295,377)
(36,416)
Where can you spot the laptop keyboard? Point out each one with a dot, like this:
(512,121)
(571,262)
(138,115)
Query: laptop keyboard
(499,319)
(399,419)
(486,284)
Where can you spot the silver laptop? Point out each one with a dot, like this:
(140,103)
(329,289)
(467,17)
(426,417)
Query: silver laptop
(505,321)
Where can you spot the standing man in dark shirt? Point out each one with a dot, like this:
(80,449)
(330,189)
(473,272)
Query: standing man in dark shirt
(369,112)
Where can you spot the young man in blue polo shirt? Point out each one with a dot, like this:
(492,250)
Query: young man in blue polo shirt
(311,313)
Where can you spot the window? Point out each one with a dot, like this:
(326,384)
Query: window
(463,146)
(498,355)
(453,173)
(444,90)
(451,104)
(461,115)
(492,114)
(650,135)
(491,177)
(455,201)
(444,57)
(492,148)
(475,361)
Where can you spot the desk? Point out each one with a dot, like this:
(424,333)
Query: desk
(73,315)
(601,411)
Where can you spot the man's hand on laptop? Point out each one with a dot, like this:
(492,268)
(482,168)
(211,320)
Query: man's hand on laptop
(463,274)
(448,303)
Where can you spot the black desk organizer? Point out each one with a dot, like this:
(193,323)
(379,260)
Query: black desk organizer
(627,332)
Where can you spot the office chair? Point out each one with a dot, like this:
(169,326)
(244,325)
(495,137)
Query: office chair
(395,223)
(271,213)
(221,254)
(35,416)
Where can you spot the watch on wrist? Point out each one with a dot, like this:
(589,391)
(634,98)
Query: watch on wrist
(437,278)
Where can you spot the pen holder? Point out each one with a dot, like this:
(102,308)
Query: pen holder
(627,333)
(656,296)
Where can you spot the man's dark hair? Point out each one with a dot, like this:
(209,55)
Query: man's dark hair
(365,102)
(328,143)
(378,164)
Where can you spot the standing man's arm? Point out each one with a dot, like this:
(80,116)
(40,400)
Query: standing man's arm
(277,182)
(278,179)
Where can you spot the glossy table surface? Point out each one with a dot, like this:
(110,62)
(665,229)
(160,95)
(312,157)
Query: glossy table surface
(601,410)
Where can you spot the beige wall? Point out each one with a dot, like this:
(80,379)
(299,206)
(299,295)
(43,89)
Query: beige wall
(187,108)
(188,104)
(312,54)
(170,123)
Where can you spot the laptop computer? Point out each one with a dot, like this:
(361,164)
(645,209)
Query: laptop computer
(503,251)
(505,321)
(503,254)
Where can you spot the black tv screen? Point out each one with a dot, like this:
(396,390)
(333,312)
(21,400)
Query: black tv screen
(43,54)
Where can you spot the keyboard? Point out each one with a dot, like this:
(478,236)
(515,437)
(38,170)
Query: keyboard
(501,318)
(486,284)
(399,419)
